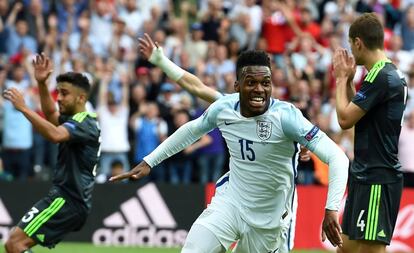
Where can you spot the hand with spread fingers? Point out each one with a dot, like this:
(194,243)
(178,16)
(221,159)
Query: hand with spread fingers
(151,50)
(16,97)
(331,228)
(43,68)
(139,171)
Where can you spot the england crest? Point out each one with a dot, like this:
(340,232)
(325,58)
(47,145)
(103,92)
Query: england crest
(264,129)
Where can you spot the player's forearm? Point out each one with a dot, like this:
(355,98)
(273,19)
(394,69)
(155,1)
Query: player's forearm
(193,84)
(46,101)
(329,152)
(180,139)
(350,88)
(42,126)
(342,98)
(186,80)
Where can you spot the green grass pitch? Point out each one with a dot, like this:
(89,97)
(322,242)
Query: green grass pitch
(89,248)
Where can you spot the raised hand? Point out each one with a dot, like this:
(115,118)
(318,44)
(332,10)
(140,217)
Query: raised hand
(139,171)
(43,67)
(343,64)
(16,97)
(18,7)
(331,228)
(149,49)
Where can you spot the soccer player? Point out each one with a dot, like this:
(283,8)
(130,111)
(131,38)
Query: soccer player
(376,111)
(154,53)
(68,202)
(262,135)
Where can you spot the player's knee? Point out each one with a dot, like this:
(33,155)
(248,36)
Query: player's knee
(16,243)
(12,246)
(192,247)
(340,250)
(6,247)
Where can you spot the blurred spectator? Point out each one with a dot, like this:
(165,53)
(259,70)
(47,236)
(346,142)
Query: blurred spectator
(402,58)
(101,26)
(220,66)
(44,151)
(278,19)
(195,46)
(167,100)
(17,130)
(113,118)
(180,165)
(133,17)
(210,158)
(308,25)
(406,28)
(405,149)
(149,130)
(173,45)
(17,31)
(68,11)
(35,20)
(82,40)
(122,44)
(211,20)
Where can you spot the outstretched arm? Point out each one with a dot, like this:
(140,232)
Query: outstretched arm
(153,52)
(49,131)
(180,139)
(42,69)
(329,152)
(298,128)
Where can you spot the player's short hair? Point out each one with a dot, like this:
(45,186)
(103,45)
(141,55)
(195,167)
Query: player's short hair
(369,29)
(251,58)
(76,79)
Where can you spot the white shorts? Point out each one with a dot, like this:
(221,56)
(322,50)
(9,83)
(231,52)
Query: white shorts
(223,219)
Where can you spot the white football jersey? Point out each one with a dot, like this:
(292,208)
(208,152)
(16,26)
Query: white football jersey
(263,156)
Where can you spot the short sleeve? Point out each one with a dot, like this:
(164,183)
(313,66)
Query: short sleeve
(79,131)
(371,94)
(208,120)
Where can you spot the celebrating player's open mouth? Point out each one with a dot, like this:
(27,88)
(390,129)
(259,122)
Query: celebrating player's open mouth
(257,101)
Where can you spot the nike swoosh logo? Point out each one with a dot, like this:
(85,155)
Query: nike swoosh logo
(228,123)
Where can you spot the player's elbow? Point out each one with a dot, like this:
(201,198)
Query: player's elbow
(54,139)
(345,124)
(58,137)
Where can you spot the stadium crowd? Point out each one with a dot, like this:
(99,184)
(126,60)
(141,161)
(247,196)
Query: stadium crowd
(138,107)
